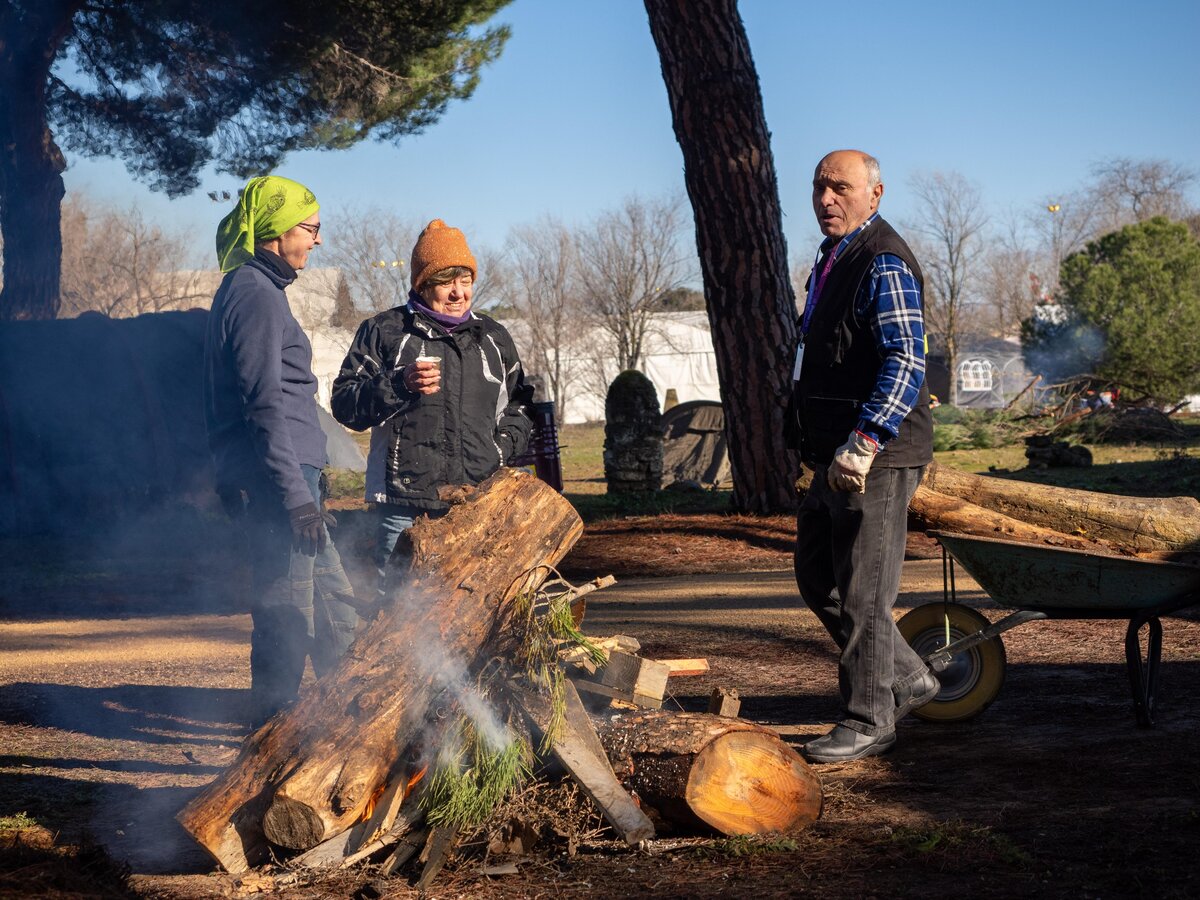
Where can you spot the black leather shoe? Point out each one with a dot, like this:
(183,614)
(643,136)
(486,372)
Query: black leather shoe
(920,692)
(845,744)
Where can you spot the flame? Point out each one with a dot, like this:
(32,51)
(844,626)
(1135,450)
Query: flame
(372,801)
(415,780)
(382,789)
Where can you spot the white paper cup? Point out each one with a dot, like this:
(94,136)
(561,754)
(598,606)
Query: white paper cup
(436,360)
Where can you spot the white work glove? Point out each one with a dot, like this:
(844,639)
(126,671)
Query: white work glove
(851,463)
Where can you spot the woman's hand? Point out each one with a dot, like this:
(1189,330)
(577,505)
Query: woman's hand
(423,377)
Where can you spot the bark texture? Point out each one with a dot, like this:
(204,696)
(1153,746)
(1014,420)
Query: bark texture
(31,165)
(717,111)
(1137,523)
(697,769)
(308,774)
(940,512)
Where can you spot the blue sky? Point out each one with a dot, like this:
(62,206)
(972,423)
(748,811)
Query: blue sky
(1020,97)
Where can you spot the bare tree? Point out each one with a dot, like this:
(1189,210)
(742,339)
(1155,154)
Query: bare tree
(1122,192)
(1009,283)
(1129,191)
(117,263)
(799,270)
(1062,227)
(949,222)
(371,247)
(626,259)
(542,292)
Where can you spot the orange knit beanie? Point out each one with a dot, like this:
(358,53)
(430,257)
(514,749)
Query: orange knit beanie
(439,247)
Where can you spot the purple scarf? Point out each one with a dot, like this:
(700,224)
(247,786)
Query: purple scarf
(450,323)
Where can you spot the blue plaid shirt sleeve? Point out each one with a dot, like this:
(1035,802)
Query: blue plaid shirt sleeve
(890,300)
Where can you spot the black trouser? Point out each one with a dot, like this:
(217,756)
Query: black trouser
(849,555)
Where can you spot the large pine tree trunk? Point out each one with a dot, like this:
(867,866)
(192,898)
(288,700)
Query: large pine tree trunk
(718,116)
(31,166)
(1137,523)
(697,769)
(308,774)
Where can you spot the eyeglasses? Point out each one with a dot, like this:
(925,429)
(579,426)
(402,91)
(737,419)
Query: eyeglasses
(314,230)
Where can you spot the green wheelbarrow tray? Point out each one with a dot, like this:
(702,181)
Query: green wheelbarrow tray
(1041,581)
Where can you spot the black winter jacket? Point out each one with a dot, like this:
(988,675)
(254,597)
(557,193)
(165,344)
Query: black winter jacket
(477,421)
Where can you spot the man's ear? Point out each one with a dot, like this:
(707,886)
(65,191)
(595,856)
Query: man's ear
(877,195)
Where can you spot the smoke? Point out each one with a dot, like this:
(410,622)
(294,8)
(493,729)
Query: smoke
(1059,347)
(450,674)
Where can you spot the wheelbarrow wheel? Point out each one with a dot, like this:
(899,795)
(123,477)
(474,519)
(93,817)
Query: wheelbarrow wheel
(974,677)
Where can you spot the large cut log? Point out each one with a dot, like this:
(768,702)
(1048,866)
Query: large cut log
(700,770)
(1138,523)
(309,773)
(940,512)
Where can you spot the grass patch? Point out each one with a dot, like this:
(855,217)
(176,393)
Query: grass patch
(595,507)
(345,484)
(17,822)
(743,845)
(957,837)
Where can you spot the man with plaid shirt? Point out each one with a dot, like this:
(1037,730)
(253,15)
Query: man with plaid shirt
(860,416)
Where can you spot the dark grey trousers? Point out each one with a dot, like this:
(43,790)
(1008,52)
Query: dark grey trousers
(849,553)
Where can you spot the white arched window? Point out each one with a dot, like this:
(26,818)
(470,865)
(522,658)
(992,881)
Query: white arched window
(975,375)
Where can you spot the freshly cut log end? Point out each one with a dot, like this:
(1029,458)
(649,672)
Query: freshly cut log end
(294,825)
(749,783)
(704,771)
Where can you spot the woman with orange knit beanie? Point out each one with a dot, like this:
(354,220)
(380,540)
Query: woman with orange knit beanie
(440,386)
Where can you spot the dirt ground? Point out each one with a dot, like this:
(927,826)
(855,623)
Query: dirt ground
(109,723)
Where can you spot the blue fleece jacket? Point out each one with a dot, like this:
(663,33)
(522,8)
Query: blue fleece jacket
(259,389)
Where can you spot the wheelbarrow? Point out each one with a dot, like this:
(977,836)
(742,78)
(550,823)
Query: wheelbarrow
(1040,581)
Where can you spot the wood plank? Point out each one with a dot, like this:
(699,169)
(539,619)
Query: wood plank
(603,690)
(724,702)
(627,672)
(681,667)
(437,851)
(573,654)
(591,770)
(406,848)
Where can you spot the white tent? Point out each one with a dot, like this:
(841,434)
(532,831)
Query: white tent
(677,356)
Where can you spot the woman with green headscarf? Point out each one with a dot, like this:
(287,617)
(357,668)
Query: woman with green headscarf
(266,440)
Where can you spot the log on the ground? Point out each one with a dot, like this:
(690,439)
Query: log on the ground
(1138,523)
(309,773)
(700,770)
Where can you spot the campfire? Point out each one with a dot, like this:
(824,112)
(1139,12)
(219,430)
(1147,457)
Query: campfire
(474,677)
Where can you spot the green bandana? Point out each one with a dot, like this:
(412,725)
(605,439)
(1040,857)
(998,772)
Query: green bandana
(266,208)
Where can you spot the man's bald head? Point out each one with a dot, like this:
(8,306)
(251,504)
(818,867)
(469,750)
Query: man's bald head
(846,191)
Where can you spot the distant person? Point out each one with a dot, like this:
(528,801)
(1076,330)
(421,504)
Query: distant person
(861,415)
(267,444)
(440,386)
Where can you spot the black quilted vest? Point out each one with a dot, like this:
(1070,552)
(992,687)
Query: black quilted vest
(841,362)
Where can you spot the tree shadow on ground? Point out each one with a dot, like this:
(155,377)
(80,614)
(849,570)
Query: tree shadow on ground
(151,714)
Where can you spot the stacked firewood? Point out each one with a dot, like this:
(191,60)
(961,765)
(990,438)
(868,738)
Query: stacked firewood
(349,774)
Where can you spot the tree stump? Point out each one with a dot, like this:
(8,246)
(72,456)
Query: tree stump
(309,773)
(700,770)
